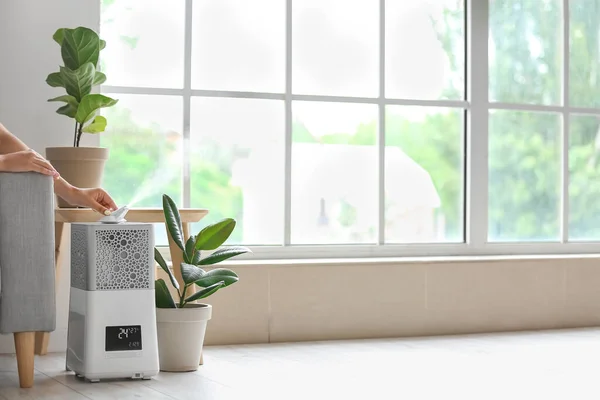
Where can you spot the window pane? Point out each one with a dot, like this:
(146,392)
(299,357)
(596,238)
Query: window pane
(237,166)
(144,139)
(239,45)
(334,173)
(336,47)
(524,176)
(584,57)
(144,42)
(424,176)
(525,52)
(584,178)
(431,67)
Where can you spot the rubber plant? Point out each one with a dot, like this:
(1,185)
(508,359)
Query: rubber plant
(80,50)
(209,238)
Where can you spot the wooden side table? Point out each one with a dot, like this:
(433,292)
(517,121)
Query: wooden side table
(64,216)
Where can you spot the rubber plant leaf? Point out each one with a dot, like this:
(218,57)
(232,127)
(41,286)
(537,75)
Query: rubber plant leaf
(161,262)
(214,235)
(189,253)
(205,292)
(226,276)
(162,295)
(191,273)
(223,254)
(173,221)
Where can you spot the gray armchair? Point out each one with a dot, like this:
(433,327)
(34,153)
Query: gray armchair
(27,271)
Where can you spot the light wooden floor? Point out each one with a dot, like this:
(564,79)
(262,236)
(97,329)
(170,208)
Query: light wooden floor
(536,365)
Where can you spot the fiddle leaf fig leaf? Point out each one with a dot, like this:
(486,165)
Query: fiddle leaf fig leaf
(55,80)
(99,78)
(96,126)
(69,109)
(59,35)
(79,46)
(90,104)
(65,98)
(78,83)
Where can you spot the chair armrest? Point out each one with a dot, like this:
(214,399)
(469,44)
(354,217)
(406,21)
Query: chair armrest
(27,270)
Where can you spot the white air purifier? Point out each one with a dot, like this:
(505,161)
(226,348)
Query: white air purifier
(112,317)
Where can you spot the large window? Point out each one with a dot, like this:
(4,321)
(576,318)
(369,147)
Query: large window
(336,128)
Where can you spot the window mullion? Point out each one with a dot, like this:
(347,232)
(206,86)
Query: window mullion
(381,127)
(564,213)
(477,124)
(287,207)
(187,100)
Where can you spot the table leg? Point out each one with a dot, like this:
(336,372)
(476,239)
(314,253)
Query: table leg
(42,338)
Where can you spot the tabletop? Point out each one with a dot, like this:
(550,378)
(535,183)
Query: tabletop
(151,215)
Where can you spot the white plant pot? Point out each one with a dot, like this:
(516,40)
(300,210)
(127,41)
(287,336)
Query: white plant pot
(181,336)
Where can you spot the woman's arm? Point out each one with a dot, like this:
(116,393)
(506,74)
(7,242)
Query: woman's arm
(16,156)
(10,144)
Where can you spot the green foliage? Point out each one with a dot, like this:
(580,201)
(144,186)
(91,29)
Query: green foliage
(163,297)
(209,282)
(214,235)
(80,51)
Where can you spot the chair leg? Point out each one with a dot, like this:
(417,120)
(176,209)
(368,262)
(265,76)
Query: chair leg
(25,346)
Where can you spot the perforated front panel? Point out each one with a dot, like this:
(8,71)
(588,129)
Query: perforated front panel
(122,259)
(79,257)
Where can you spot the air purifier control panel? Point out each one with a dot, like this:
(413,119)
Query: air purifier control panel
(123,338)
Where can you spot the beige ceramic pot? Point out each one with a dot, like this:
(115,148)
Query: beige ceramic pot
(80,166)
(181,336)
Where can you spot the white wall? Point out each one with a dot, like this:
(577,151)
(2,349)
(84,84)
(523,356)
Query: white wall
(27,55)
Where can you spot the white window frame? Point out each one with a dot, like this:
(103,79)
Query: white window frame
(477,107)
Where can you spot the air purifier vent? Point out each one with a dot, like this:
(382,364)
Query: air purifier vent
(122,259)
(79,257)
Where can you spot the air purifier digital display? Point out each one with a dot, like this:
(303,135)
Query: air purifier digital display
(123,338)
(112,316)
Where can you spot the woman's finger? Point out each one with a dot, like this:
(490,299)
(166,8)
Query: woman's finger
(42,170)
(99,207)
(109,202)
(46,165)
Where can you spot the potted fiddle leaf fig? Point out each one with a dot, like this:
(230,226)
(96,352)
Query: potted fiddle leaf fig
(80,50)
(181,322)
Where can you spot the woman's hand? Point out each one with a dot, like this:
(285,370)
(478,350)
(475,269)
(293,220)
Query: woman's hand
(96,199)
(26,161)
